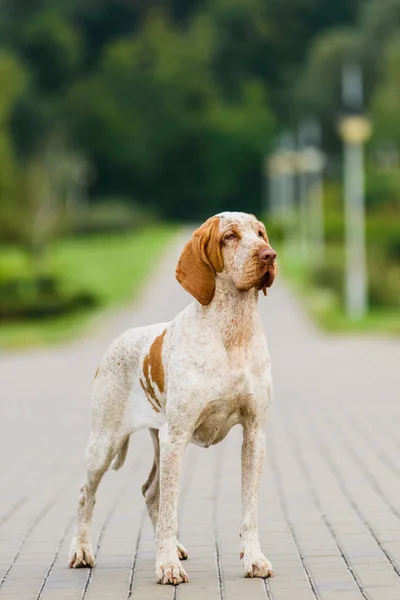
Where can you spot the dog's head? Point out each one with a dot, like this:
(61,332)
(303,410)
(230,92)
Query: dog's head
(232,245)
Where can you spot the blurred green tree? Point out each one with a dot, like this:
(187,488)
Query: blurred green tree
(14,80)
(385,100)
(379,22)
(161,124)
(319,87)
(173,100)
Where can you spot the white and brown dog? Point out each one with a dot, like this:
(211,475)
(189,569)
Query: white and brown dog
(190,380)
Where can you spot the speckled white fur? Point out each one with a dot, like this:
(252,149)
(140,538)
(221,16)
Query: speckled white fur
(217,374)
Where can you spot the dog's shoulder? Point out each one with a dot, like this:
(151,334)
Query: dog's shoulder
(130,347)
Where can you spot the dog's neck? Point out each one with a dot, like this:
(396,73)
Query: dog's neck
(231,312)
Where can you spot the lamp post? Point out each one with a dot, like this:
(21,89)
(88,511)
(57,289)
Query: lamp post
(314,164)
(310,166)
(281,167)
(286,169)
(354,129)
(272,187)
(303,189)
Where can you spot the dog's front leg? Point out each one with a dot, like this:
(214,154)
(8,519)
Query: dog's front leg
(253,452)
(168,565)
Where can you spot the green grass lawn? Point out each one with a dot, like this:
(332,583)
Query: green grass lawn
(324,305)
(112,266)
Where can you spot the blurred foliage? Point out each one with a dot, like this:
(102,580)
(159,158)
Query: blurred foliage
(385,101)
(39,297)
(373,40)
(321,290)
(114,112)
(84,276)
(319,90)
(111,215)
(382,240)
(172,102)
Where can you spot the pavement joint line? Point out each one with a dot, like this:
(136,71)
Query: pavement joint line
(187,483)
(13,509)
(25,537)
(327,455)
(25,467)
(387,431)
(21,471)
(282,502)
(217,486)
(24,498)
(298,456)
(118,497)
(358,515)
(56,554)
(379,452)
(267,589)
(375,485)
(135,555)
(39,517)
(367,473)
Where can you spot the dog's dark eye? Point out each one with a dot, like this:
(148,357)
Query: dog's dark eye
(260,233)
(230,236)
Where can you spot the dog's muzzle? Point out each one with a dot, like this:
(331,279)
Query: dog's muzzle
(267,257)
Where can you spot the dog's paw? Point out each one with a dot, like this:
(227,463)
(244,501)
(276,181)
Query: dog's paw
(171,571)
(256,565)
(81,555)
(182,552)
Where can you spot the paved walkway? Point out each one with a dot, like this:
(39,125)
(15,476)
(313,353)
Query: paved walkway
(330,498)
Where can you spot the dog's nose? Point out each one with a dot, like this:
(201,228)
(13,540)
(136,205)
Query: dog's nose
(267,255)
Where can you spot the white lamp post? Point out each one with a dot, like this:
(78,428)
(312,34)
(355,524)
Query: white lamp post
(310,166)
(314,164)
(286,168)
(272,190)
(354,129)
(303,190)
(281,170)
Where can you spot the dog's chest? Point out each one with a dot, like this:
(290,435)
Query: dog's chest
(237,397)
(216,420)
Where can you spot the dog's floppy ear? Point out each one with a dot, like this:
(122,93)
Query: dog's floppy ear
(200,260)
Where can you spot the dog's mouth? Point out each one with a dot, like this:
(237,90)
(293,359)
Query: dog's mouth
(267,279)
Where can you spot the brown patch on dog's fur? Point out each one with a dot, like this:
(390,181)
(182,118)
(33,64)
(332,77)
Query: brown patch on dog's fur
(155,358)
(153,372)
(97,372)
(148,391)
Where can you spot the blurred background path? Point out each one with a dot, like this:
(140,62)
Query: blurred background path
(329,510)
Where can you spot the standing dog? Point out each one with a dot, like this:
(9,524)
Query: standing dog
(190,380)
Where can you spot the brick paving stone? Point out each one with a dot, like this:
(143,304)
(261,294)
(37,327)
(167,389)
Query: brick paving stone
(329,511)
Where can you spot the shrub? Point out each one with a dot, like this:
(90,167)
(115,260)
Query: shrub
(384,285)
(334,228)
(275,230)
(110,215)
(329,274)
(384,234)
(39,297)
(383,278)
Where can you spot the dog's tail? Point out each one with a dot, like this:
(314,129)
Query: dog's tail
(120,457)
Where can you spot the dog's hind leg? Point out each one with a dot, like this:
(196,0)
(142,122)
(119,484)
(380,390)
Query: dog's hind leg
(151,487)
(119,459)
(112,413)
(151,491)
(99,454)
